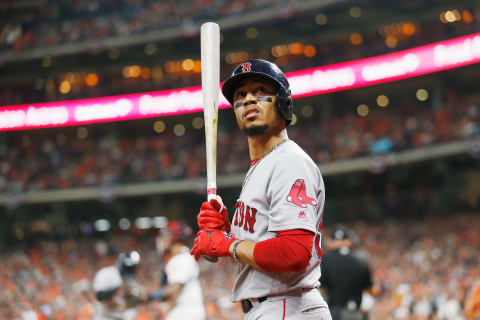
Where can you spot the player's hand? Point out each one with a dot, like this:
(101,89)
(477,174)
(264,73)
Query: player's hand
(214,215)
(212,243)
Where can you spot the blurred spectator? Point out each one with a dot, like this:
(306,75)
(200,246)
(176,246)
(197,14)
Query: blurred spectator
(66,21)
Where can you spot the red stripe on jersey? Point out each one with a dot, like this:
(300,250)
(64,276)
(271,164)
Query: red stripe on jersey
(284,309)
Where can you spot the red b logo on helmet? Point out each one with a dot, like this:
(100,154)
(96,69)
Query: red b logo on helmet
(246,67)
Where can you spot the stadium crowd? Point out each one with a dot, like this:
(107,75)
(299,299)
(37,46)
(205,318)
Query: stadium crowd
(431,272)
(92,21)
(46,24)
(30,162)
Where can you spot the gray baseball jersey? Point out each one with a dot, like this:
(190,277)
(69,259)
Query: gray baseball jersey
(282,191)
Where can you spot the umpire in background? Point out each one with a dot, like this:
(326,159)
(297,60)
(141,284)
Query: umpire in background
(345,276)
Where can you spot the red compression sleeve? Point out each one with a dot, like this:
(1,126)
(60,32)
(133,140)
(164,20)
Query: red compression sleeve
(289,251)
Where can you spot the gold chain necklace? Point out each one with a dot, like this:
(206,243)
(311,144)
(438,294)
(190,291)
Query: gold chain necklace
(250,171)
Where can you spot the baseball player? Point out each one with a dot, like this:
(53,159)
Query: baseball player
(182,286)
(275,232)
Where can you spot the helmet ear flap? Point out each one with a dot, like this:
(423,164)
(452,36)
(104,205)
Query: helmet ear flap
(285,105)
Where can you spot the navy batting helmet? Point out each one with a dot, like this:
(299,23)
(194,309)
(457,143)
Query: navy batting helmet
(266,70)
(127,263)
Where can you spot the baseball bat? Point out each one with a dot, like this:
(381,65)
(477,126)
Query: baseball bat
(210,57)
(210,54)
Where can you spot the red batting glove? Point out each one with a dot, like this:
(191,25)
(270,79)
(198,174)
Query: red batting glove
(212,243)
(214,215)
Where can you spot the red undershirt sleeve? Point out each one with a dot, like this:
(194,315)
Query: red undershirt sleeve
(291,250)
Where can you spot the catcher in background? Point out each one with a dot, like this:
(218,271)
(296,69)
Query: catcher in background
(275,232)
(117,291)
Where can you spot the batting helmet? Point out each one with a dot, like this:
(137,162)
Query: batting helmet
(127,263)
(266,70)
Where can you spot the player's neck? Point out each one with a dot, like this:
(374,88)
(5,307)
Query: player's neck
(260,145)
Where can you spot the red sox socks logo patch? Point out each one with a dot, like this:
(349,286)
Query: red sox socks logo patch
(298,195)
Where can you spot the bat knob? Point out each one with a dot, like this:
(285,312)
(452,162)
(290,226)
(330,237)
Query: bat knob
(211,194)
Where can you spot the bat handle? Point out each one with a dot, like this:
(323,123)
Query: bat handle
(211,194)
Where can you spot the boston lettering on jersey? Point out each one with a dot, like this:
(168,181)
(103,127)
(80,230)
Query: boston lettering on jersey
(245,216)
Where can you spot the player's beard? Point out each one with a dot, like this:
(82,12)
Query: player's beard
(255,131)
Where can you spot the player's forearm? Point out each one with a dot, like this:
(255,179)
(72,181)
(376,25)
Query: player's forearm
(244,252)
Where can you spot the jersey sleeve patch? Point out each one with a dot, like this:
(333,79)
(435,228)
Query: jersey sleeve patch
(298,195)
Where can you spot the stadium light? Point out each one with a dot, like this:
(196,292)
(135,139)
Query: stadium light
(159,222)
(102,225)
(422,94)
(179,130)
(356,39)
(124,224)
(159,126)
(197,123)
(143,223)
(307,111)
(362,110)
(355,12)
(382,100)
(65,87)
(321,19)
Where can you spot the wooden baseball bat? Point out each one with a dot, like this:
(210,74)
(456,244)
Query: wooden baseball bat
(210,53)
(210,57)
